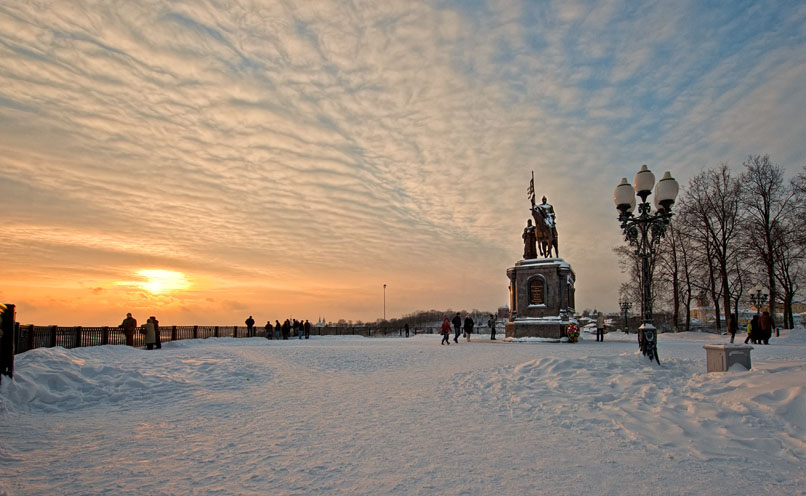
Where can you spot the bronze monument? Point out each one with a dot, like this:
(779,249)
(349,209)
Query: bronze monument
(541,289)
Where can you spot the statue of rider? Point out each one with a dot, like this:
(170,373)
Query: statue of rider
(549,215)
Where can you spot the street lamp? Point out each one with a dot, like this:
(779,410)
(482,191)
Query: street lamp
(644,232)
(758,297)
(625,306)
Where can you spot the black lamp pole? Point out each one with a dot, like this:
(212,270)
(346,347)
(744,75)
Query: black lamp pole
(644,232)
(625,307)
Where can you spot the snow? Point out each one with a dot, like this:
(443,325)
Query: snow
(352,415)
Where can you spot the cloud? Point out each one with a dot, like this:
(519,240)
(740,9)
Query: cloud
(272,146)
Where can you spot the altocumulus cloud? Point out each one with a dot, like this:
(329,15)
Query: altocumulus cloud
(347,144)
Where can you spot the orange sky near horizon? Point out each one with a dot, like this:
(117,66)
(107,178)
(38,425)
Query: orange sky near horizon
(288,160)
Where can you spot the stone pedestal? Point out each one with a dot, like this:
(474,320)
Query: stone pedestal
(720,357)
(541,298)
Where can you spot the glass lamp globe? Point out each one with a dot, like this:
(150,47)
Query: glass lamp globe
(666,192)
(643,182)
(624,196)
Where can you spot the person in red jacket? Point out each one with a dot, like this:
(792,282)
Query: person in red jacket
(446,331)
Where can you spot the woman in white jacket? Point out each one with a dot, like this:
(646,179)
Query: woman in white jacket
(151,334)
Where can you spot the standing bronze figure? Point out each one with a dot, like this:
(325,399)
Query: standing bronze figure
(545,223)
(529,241)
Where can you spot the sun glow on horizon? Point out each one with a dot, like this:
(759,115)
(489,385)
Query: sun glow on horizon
(160,281)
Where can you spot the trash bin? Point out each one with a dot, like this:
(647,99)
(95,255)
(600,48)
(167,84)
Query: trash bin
(720,357)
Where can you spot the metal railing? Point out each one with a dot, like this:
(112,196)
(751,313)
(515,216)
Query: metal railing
(29,336)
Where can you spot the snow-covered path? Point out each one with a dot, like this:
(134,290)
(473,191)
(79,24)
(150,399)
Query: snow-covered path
(403,416)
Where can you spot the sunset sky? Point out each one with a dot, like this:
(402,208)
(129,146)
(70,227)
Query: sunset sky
(204,161)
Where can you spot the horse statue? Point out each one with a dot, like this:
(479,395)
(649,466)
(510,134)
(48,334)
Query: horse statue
(545,229)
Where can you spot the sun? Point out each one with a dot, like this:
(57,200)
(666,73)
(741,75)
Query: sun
(162,281)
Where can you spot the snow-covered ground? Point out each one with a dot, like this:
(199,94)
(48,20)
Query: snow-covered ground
(350,415)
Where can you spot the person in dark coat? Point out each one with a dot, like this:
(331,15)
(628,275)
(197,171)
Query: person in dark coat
(286,329)
(278,329)
(406,327)
(158,342)
(446,331)
(765,323)
(250,326)
(468,327)
(307,326)
(733,326)
(755,330)
(457,327)
(129,325)
(269,329)
(491,324)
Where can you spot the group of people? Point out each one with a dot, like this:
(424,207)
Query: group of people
(283,331)
(457,327)
(151,330)
(759,329)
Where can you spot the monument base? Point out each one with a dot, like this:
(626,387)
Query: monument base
(541,297)
(549,328)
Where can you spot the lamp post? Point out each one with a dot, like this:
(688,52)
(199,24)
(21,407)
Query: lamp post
(384,302)
(625,306)
(644,232)
(758,297)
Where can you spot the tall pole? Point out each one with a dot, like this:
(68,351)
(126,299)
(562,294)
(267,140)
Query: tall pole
(644,231)
(384,302)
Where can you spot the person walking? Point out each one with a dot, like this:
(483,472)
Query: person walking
(406,328)
(151,334)
(752,331)
(457,326)
(446,331)
(765,324)
(307,328)
(269,329)
(469,324)
(491,325)
(600,325)
(733,327)
(250,326)
(278,329)
(129,326)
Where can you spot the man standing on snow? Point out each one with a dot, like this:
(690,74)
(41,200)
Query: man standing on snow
(457,327)
(600,325)
(491,324)
(250,325)
(468,327)
(129,325)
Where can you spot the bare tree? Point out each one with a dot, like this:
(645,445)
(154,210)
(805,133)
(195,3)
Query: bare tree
(674,270)
(686,266)
(630,264)
(712,207)
(768,201)
(790,249)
